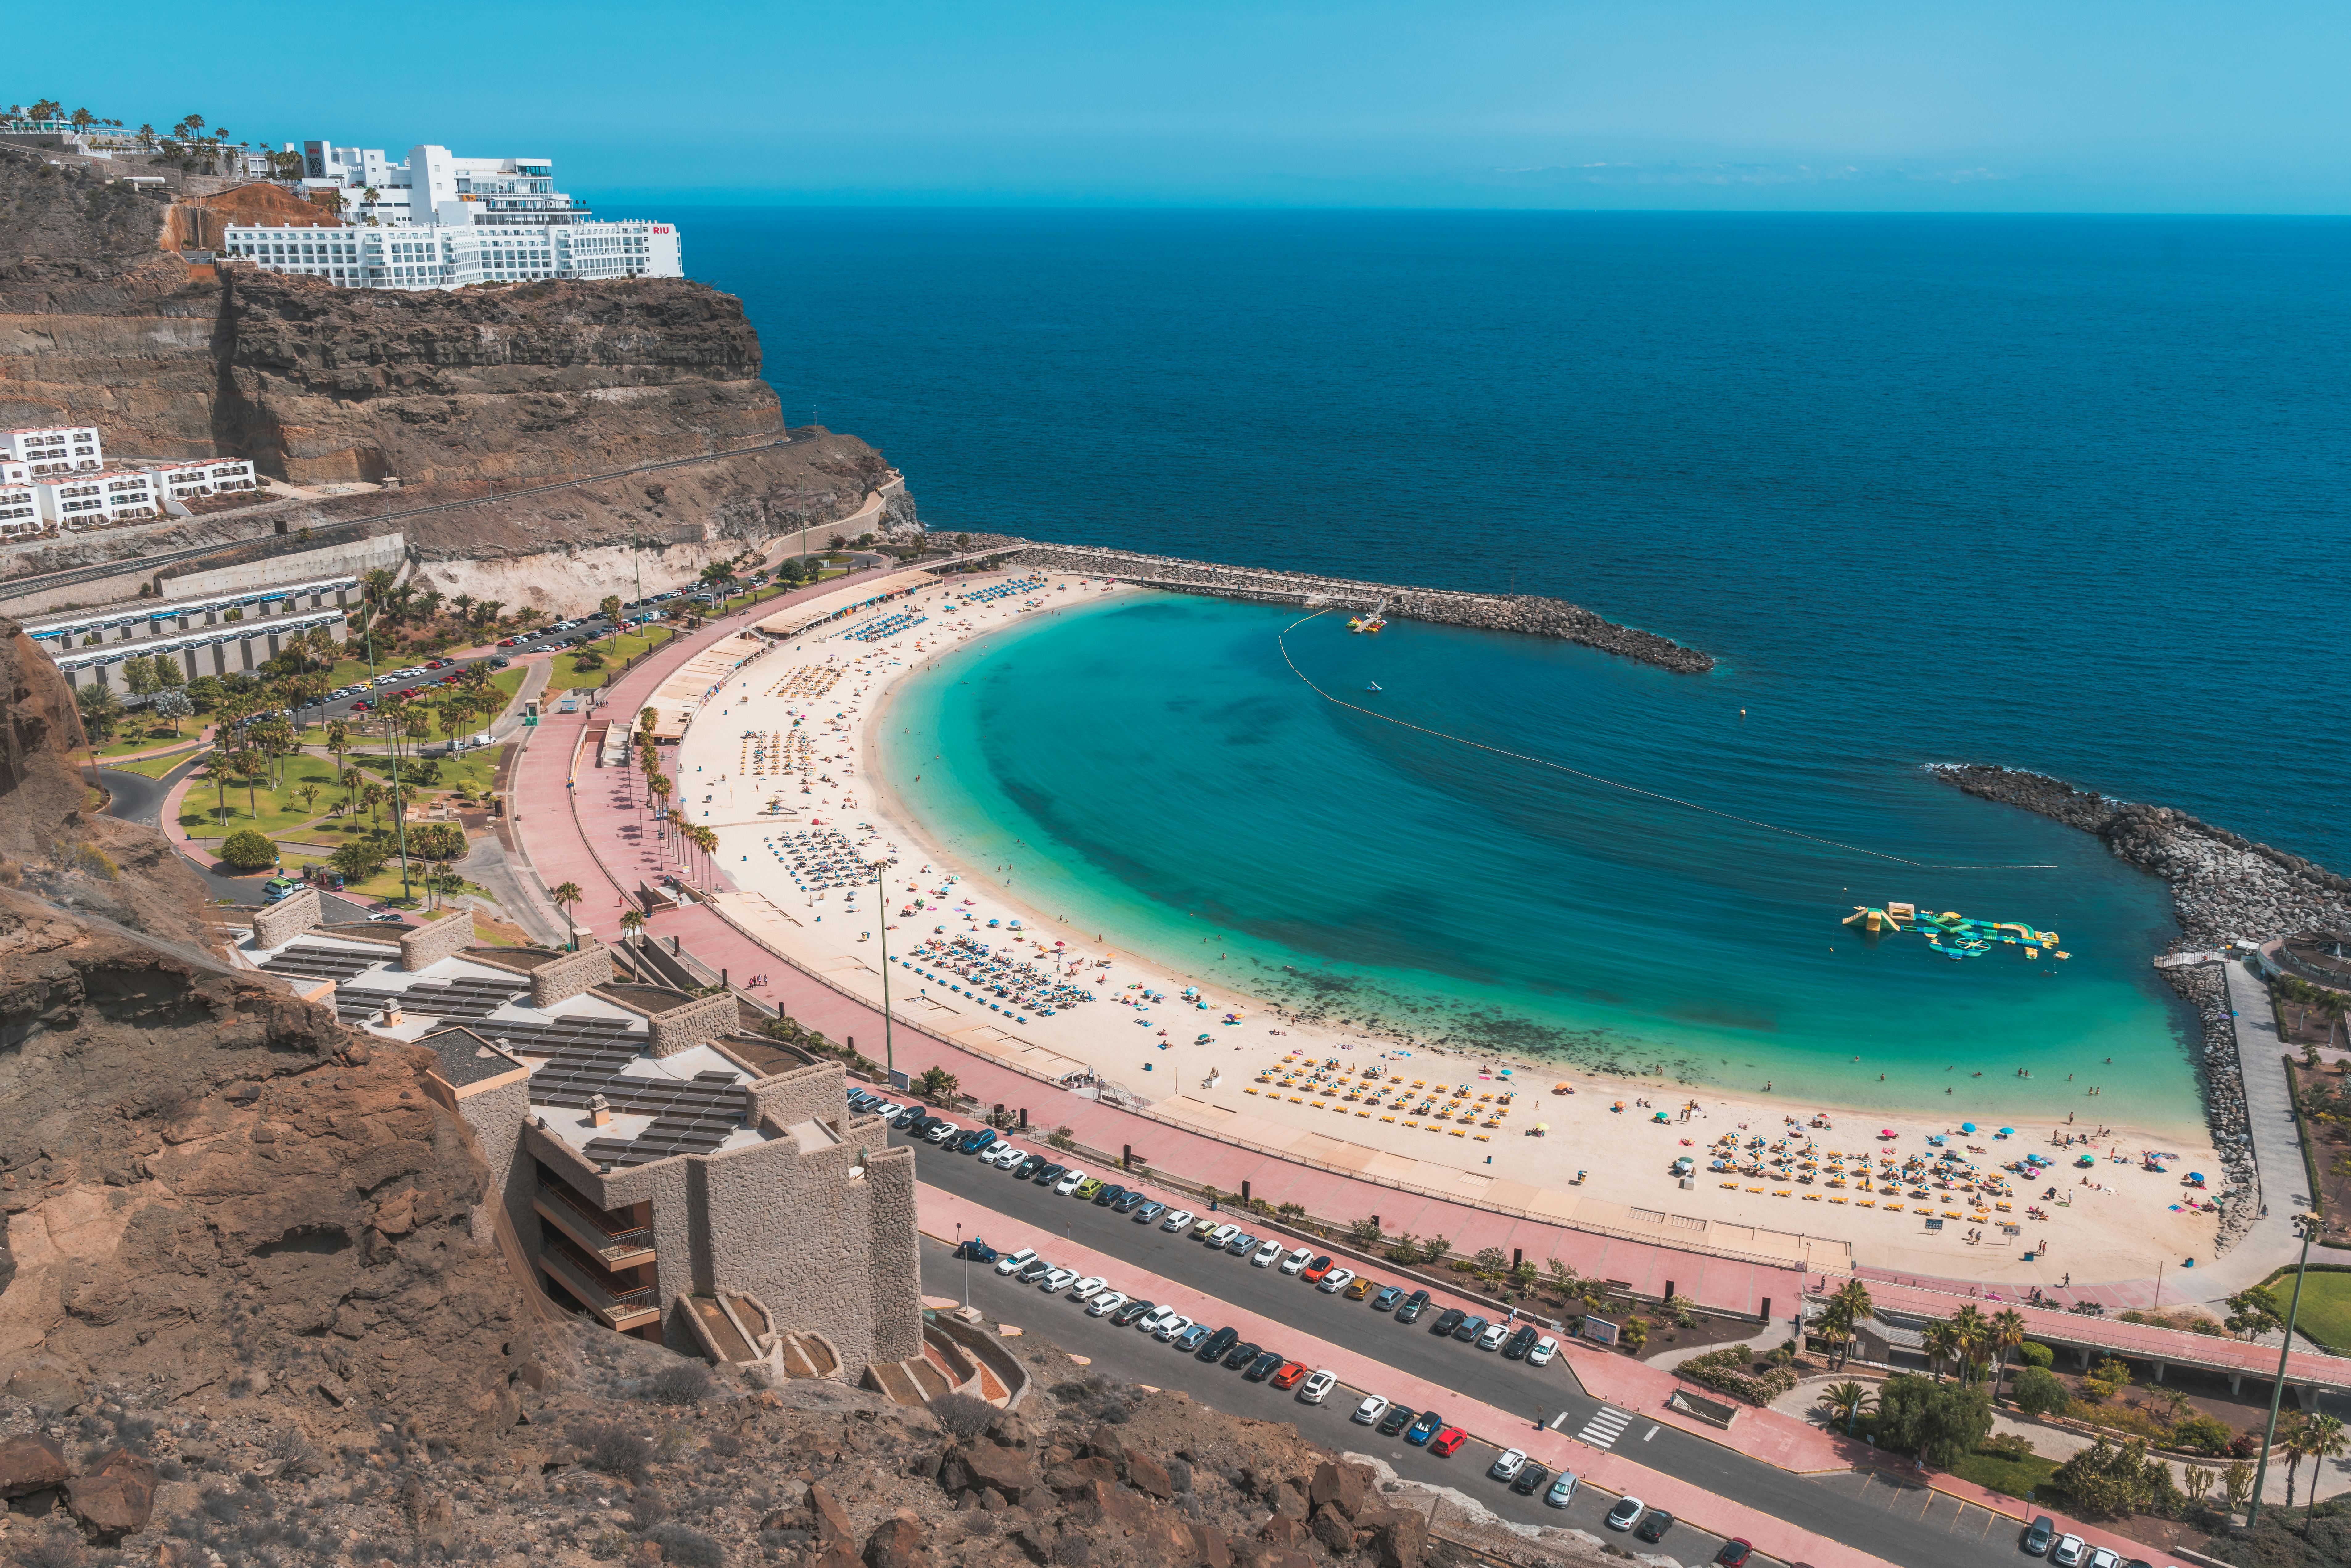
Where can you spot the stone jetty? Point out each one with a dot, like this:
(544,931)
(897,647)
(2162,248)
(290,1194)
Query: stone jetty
(1527,614)
(2224,888)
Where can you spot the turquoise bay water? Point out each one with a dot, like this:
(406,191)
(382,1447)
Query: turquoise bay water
(1153,770)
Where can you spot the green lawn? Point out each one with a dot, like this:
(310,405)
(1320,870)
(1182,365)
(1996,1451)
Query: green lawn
(278,809)
(154,767)
(144,737)
(2018,1479)
(470,771)
(2325,1315)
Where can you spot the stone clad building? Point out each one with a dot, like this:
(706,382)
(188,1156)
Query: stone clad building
(653,1165)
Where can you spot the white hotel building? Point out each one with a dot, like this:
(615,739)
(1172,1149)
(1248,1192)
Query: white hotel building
(56,476)
(438,221)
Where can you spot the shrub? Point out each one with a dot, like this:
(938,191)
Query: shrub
(962,1416)
(613,1449)
(2040,1392)
(1939,1422)
(685,1547)
(2031,1354)
(685,1383)
(248,851)
(2009,1445)
(1730,1370)
(2201,1433)
(437,841)
(2116,1478)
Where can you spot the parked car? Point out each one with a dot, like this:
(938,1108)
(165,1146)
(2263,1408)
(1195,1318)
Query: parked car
(2068,1551)
(2105,1557)
(1626,1513)
(1071,1181)
(1445,1442)
(1033,1271)
(1222,1234)
(1267,1364)
(1521,1342)
(1086,1188)
(1507,1464)
(1177,1222)
(1245,1353)
(1149,1213)
(1241,1246)
(1060,1280)
(1449,1320)
(1039,1169)
(940,1134)
(1219,1343)
(1545,1348)
(1336,1281)
(1290,1374)
(1369,1412)
(1492,1336)
(1128,1202)
(1190,1340)
(2039,1536)
(1468,1330)
(1735,1553)
(1127,1316)
(975,1250)
(976,1140)
(1425,1426)
(1294,1262)
(1207,1225)
(1267,1256)
(1316,1387)
(1106,1303)
(1011,1156)
(1562,1489)
(1386,1300)
(1106,1194)
(1013,1262)
(1653,1526)
(1087,1289)
(1177,1328)
(1362,1287)
(1152,1321)
(1313,1273)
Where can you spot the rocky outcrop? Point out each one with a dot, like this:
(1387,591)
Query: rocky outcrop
(1526,613)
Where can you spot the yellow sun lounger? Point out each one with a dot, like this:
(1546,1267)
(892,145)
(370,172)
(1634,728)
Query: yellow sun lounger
(1732,1184)
(1839,1200)
(1484,1139)
(1866,1203)
(1756,1190)
(1893,1208)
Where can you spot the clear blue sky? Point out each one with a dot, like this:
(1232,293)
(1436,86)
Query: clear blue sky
(2043,105)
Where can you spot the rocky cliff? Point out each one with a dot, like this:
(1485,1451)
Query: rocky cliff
(460,395)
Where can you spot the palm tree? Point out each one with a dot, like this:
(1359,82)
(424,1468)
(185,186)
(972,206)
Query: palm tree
(632,924)
(2007,1334)
(1972,1336)
(464,603)
(310,793)
(609,607)
(1848,1402)
(2294,1432)
(2322,1437)
(351,779)
(372,797)
(1941,1344)
(565,895)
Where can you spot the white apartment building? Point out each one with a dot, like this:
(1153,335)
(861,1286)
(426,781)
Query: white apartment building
(20,511)
(206,477)
(95,500)
(51,449)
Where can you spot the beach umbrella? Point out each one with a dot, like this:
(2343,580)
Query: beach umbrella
(2007,1131)
(1967,1126)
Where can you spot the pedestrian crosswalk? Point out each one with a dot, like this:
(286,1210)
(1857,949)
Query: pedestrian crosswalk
(1607,1425)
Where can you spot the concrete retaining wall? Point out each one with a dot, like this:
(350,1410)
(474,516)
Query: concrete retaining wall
(352,558)
(697,1023)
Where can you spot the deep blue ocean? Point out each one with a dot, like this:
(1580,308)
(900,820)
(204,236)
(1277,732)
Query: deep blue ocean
(2066,493)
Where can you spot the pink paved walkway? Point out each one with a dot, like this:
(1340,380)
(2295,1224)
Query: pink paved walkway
(612,846)
(940,1211)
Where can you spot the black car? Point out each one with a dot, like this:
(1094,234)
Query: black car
(1242,1355)
(975,1250)
(1265,1366)
(1532,1479)
(1130,1203)
(1108,1195)
(1521,1342)
(1034,1271)
(1654,1525)
(1398,1418)
(905,1120)
(1446,1322)
(1413,1305)
(1049,1174)
(1217,1343)
(1468,1330)
(1129,1312)
(921,1127)
(1029,1167)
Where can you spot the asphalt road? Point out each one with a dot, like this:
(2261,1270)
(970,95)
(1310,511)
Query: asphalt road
(1914,1526)
(139,799)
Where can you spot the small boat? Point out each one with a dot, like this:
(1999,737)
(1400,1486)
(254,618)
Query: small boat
(1372,687)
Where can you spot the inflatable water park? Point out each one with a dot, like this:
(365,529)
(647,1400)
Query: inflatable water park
(1953,935)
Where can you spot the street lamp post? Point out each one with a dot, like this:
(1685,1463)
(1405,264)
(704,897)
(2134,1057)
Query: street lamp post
(2308,1225)
(881,918)
(965,1254)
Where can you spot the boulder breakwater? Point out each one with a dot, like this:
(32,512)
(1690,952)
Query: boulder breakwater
(2224,888)
(1529,614)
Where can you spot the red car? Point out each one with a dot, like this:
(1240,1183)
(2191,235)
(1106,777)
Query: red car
(448,680)
(435,663)
(1734,1553)
(1290,1375)
(509,642)
(1445,1442)
(1316,1269)
(362,708)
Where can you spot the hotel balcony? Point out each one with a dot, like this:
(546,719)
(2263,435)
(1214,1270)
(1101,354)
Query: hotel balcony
(619,1305)
(615,1240)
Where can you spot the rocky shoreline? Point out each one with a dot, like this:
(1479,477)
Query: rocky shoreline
(2224,888)
(1526,613)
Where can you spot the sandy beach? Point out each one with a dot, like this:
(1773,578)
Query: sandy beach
(783,766)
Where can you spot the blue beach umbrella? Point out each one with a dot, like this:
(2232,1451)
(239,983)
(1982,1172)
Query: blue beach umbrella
(1967,1126)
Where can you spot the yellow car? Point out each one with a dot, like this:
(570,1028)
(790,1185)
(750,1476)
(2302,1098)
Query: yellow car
(1361,1287)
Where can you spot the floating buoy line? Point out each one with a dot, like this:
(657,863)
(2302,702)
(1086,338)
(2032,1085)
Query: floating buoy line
(1281,640)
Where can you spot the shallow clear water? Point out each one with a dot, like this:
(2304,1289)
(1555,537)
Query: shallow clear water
(1155,770)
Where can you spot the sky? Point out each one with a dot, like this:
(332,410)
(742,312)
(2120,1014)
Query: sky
(2047,106)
